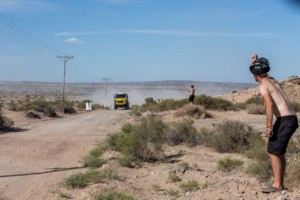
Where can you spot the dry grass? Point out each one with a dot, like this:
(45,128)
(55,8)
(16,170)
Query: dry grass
(194,111)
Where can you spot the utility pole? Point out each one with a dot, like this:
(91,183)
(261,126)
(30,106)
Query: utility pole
(65,60)
(106,81)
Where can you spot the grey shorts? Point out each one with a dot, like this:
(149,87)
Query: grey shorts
(283,129)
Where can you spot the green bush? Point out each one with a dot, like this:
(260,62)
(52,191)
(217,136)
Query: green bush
(113,195)
(75,181)
(12,106)
(154,106)
(135,111)
(174,178)
(258,100)
(190,186)
(129,161)
(257,149)
(232,137)
(93,162)
(194,111)
(142,141)
(182,132)
(93,159)
(296,106)
(228,164)
(204,137)
(5,122)
(173,192)
(261,170)
(213,103)
(81,180)
(256,109)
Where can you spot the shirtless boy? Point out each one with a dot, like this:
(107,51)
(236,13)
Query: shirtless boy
(285,125)
(192,94)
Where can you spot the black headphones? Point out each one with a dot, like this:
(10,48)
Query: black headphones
(261,66)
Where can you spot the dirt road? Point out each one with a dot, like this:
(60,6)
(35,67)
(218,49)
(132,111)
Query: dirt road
(35,160)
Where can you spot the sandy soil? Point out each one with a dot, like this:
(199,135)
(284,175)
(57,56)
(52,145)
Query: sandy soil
(36,157)
(40,155)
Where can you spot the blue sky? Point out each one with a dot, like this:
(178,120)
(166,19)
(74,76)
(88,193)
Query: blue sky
(147,40)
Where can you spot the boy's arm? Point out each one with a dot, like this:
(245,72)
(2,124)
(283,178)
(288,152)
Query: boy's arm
(269,110)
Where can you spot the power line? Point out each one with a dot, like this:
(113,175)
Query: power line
(28,36)
(20,34)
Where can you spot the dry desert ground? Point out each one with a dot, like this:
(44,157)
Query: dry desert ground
(37,156)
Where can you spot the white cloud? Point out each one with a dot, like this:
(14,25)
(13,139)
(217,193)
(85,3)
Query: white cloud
(73,40)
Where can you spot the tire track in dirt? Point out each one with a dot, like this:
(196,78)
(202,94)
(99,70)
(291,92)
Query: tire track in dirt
(33,162)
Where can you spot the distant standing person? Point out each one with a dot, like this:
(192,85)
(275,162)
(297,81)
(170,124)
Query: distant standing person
(192,91)
(285,125)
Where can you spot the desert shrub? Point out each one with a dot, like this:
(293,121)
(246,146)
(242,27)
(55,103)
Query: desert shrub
(174,178)
(142,141)
(12,106)
(171,104)
(111,141)
(204,137)
(292,179)
(184,164)
(93,159)
(66,106)
(150,100)
(296,106)
(127,128)
(232,136)
(193,111)
(81,180)
(257,149)
(99,150)
(99,106)
(68,109)
(156,187)
(261,170)
(151,129)
(182,132)
(75,181)
(158,106)
(213,103)
(47,107)
(190,186)
(129,161)
(93,162)
(113,195)
(64,195)
(228,164)
(240,106)
(5,122)
(32,115)
(49,112)
(258,100)
(135,111)
(256,109)
(173,192)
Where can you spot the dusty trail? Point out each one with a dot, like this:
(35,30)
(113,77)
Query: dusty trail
(34,161)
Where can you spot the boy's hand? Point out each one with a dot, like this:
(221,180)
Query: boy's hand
(269,132)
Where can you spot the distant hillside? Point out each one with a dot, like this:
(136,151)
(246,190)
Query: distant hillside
(290,86)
